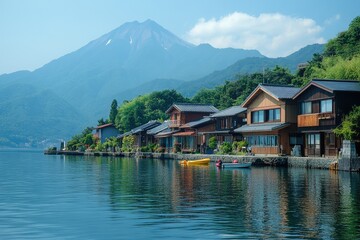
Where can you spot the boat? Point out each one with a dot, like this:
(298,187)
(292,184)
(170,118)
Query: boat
(203,161)
(234,164)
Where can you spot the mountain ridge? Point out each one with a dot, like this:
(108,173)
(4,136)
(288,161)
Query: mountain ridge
(85,81)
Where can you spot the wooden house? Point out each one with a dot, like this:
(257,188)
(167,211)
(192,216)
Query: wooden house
(271,119)
(181,114)
(322,105)
(191,138)
(106,131)
(226,121)
(140,133)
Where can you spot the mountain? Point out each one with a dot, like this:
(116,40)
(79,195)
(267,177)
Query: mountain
(249,65)
(78,87)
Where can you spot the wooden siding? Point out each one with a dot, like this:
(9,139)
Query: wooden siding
(263,102)
(316,119)
(314,93)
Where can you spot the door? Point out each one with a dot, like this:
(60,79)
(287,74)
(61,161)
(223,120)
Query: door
(313,144)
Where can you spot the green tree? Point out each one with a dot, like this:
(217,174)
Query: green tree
(113,111)
(144,108)
(212,143)
(128,143)
(350,126)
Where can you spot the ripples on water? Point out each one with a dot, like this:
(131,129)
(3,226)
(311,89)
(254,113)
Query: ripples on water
(58,197)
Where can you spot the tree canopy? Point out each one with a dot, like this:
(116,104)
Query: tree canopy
(144,108)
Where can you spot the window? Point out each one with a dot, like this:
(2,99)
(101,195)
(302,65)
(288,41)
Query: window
(258,116)
(266,116)
(274,115)
(326,105)
(306,107)
(263,140)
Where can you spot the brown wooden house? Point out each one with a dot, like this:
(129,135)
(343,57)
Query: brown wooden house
(184,137)
(191,136)
(322,105)
(271,119)
(226,121)
(140,133)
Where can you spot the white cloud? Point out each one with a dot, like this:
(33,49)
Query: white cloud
(273,34)
(333,19)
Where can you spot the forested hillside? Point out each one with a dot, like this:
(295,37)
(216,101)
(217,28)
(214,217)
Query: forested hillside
(340,60)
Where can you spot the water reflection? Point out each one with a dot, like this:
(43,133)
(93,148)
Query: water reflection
(87,197)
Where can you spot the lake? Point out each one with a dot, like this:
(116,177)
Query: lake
(75,197)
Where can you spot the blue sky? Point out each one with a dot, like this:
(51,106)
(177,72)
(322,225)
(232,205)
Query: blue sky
(34,32)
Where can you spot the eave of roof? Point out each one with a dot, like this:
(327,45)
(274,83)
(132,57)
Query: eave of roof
(267,88)
(104,125)
(321,83)
(265,127)
(228,112)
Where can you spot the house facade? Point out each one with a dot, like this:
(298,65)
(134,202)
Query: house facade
(226,121)
(140,133)
(271,119)
(322,105)
(106,131)
(181,137)
(190,138)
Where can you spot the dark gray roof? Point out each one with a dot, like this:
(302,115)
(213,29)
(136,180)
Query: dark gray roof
(339,85)
(280,91)
(124,134)
(146,126)
(198,122)
(261,127)
(156,130)
(231,111)
(191,107)
(332,86)
(166,133)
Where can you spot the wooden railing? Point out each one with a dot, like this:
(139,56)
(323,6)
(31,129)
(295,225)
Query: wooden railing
(315,119)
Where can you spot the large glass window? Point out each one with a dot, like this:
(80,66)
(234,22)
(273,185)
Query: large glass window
(270,115)
(274,115)
(263,140)
(258,116)
(326,105)
(306,107)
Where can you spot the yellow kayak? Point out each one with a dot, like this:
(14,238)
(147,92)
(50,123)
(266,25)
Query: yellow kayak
(196,162)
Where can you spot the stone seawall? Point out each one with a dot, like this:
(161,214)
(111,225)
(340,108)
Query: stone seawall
(258,160)
(311,162)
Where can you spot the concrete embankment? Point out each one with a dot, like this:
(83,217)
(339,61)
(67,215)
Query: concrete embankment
(258,160)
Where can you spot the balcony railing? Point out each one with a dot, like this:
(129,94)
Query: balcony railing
(316,119)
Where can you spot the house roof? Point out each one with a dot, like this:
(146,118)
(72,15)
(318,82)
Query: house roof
(159,128)
(144,127)
(197,123)
(166,133)
(279,92)
(265,127)
(192,107)
(332,86)
(231,111)
(104,126)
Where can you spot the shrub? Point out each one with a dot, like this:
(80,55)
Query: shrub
(225,148)
(212,143)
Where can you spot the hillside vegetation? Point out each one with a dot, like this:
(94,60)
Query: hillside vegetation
(340,60)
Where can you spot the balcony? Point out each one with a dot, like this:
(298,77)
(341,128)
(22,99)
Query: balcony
(316,119)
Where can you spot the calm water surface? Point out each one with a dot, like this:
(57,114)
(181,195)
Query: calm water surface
(58,197)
